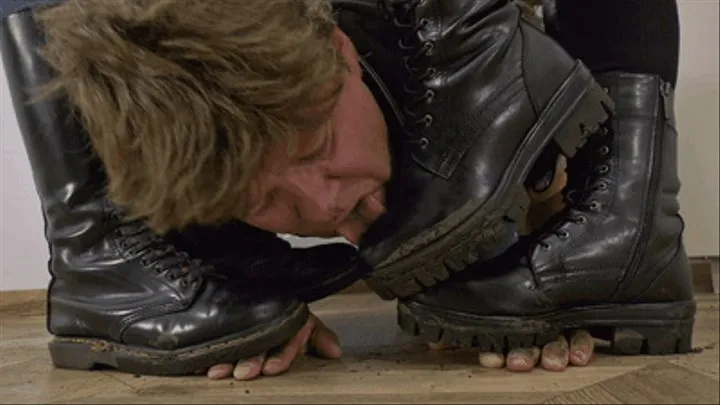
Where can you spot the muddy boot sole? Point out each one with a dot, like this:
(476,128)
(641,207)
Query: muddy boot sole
(481,231)
(86,353)
(650,329)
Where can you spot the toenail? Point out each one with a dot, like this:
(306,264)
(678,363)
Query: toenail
(241,371)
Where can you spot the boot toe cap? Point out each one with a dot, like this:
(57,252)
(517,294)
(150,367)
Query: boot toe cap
(214,315)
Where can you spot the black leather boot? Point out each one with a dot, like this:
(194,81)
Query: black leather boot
(120,296)
(261,258)
(486,93)
(612,262)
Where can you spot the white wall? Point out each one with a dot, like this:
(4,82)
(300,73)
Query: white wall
(697,109)
(23,253)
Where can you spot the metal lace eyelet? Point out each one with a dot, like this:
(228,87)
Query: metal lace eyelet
(581,219)
(545,246)
(430,72)
(564,235)
(424,22)
(424,142)
(595,206)
(429,46)
(603,169)
(429,96)
(602,186)
(604,150)
(427,120)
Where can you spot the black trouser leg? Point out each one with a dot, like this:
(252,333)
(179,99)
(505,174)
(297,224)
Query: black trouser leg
(634,36)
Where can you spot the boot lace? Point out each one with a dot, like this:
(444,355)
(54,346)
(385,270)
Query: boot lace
(158,254)
(588,173)
(415,52)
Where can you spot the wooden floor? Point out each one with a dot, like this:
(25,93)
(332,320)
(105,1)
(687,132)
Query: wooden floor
(380,365)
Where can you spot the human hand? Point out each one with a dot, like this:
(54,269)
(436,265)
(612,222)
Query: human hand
(314,335)
(554,356)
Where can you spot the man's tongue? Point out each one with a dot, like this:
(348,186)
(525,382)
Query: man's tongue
(375,204)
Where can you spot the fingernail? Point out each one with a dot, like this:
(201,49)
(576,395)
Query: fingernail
(518,360)
(553,365)
(241,371)
(215,373)
(579,355)
(491,360)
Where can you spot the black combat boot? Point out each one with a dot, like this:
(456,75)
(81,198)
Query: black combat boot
(120,296)
(261,258)
(612,262)
(487,93)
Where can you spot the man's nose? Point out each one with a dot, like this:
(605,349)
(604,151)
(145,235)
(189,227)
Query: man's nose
(316,195)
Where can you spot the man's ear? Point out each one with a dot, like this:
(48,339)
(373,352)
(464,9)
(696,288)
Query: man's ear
(343,44)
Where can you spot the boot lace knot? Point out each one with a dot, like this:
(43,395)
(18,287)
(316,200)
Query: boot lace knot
(157,254)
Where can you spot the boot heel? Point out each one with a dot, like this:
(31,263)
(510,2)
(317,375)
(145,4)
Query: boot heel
(653,340)
(589,111)
(79,354)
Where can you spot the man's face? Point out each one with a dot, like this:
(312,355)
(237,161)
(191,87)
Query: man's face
(333,184)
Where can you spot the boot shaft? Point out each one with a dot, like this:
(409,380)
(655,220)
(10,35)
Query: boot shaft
(646,182)
(623,229)
(67,177)
(103,269)
(643,166)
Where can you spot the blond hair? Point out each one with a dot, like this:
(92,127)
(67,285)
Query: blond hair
(181,98)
